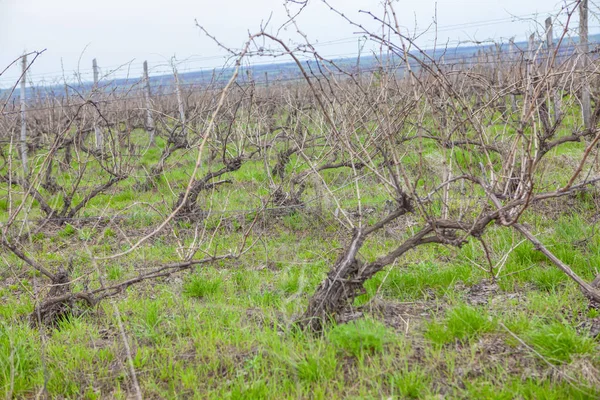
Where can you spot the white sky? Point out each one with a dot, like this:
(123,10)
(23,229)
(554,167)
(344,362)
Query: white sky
(120,31)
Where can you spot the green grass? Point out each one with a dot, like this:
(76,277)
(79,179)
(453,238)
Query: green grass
(360,337)
(461,323)
(559,342)
(18,360)
(202,287)
(411,384)
(227,330)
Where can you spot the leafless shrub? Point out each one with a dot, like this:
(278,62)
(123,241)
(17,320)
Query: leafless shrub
(458,147)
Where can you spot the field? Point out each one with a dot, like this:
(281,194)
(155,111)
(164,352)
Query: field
(423,234)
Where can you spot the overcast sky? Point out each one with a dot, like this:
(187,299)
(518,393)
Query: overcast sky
(117,32)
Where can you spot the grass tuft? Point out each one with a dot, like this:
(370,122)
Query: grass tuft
(413,384)
(360,337)
(201,287)
(559,342)
(461,323)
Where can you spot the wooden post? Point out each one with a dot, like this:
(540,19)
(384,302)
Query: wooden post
(358,59)
(23,138)
(95,69)
(531,47)
(179,100)
(497,66)
(550,51)
(97,130)
(149,118)
(549,38)
(67,160)
(479,69)
(586,110)
(485,71)
(442,104)
(267,83)
(67,96)
(511,60)
(530,64)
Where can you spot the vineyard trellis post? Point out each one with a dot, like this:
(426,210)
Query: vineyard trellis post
(179,99)
(23,138)
(97,130)
(148,101)
(267,84)
(511,61)
(498,64)
(530,64)
(555,95)
(583,63)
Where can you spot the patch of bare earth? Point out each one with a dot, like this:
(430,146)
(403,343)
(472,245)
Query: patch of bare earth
(401,316)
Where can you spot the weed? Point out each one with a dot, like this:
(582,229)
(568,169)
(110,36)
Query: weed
(360,337)
(548,279)
(317,368)
(462,322)
(411,384)
(109,233)
(114,272)
(67,231)
(19,360)
(202,287)
(559,342)
(86,234)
